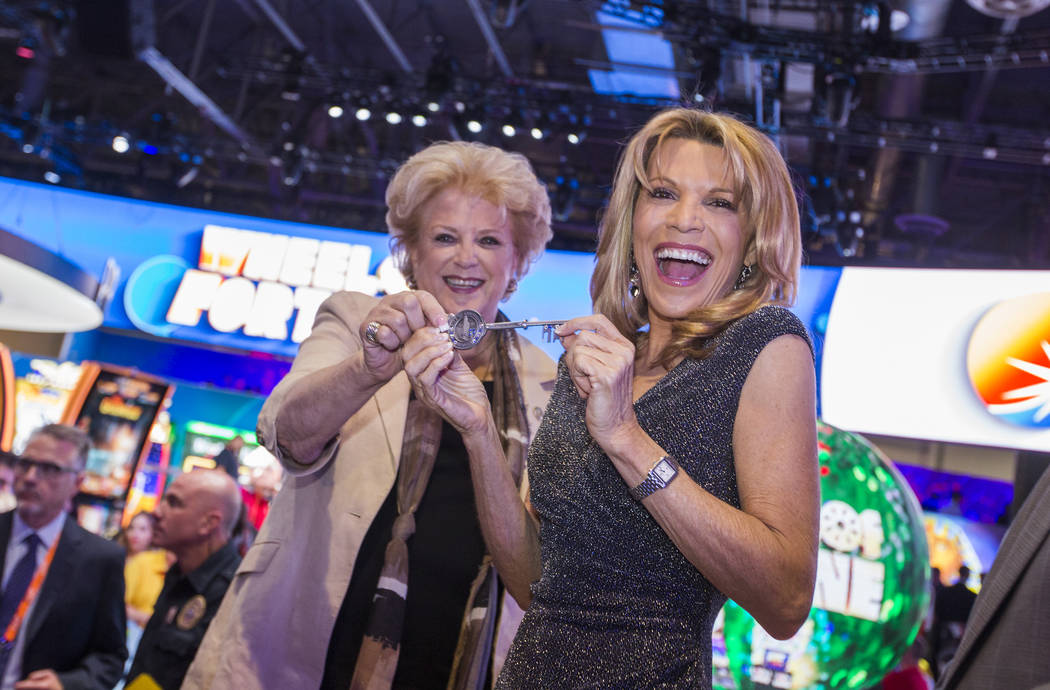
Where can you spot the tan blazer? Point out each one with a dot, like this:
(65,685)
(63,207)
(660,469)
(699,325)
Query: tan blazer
(273,627)
(1007,639)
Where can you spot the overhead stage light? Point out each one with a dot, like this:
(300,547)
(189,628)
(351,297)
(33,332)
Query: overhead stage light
(363,113)
(335,111)
(121,144)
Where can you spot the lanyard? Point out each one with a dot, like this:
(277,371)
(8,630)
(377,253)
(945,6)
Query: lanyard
(30,595)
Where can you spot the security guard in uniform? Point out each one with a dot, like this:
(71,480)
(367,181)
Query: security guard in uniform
(195,520)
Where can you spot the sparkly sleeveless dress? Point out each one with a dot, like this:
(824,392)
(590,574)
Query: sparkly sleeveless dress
(617,604)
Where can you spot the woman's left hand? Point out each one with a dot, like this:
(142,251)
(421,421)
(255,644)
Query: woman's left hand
(601,364)
(443,381)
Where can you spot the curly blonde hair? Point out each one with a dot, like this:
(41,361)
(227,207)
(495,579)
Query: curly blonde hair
(769,221)
(504,179)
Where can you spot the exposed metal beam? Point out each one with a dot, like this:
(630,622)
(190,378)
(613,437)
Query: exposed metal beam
(202,37)
(192,93)
(633,67)
(173,10)
(248,9)
(490,38)
(384,33)
(281,26)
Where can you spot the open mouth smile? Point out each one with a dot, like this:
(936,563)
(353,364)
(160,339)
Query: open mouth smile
(679,265)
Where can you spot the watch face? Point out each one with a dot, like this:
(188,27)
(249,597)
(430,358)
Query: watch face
(665,471)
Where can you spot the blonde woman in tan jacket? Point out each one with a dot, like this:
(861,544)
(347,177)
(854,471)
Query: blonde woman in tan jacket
(371,570)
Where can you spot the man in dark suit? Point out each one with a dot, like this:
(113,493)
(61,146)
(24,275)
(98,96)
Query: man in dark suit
(1008,633)
(72,636)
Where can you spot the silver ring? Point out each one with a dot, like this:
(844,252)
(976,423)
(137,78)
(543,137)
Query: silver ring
(371,330)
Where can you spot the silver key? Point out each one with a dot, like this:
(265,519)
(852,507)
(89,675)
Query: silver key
(467,328)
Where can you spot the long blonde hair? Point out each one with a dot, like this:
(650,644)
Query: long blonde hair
(769,221)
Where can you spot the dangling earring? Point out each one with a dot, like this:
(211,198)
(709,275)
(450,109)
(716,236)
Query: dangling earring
(511,287)
(634,282)
(745,273)
(410,281)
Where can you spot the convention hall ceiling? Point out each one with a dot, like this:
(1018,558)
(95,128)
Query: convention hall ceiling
(918,130)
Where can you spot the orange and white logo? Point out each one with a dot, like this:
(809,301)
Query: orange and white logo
(1008,360)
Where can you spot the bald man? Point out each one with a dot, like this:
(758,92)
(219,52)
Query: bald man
(195,520)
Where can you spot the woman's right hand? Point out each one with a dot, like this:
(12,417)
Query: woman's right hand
(444,382)
(398,316)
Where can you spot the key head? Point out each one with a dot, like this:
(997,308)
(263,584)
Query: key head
(466,329)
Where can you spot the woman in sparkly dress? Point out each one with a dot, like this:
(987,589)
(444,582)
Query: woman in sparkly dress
(676,463)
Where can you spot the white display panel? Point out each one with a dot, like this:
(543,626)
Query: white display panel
(895,354)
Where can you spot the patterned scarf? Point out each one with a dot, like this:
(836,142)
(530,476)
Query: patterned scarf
(377,660)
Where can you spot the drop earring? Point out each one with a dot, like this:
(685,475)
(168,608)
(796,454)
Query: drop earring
(634,282)
(745,273)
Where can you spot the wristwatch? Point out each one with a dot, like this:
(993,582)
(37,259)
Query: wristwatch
(662,474)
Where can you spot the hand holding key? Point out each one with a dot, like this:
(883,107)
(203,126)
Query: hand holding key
(468,327)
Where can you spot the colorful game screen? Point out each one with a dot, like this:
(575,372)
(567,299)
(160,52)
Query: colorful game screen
(7,399)
(203,441)
(118,413)
(147,484)
(41,396)
(956,541)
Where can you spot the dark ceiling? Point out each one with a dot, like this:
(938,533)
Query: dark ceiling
(928,145)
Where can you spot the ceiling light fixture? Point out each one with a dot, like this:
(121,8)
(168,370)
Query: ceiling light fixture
(41,291)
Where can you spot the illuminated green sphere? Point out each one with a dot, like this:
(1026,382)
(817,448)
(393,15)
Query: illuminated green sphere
(872,584)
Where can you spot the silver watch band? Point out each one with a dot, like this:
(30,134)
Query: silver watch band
(656,479)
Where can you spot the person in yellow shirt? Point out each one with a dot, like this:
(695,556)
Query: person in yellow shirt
(144,569)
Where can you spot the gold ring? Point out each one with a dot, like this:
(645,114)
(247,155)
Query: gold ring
(371,330)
